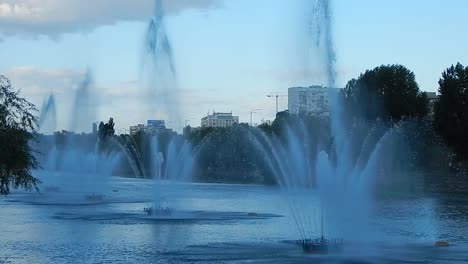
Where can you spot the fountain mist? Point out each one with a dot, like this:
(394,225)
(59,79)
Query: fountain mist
(74,162)
(83,111)
(159,71)
(48,116)
(170,172)
(344,168)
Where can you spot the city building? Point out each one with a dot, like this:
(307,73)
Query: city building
(135,129)
(95,127)
(152,127)
(432,98)
(219,120)
(156,123)
(310,100)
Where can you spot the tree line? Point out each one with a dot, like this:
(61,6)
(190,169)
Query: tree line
(386,95)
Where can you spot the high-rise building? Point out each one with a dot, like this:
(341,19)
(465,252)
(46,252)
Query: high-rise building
(219,120)
(310,100)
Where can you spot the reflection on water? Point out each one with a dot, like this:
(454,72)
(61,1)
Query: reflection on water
(212,223)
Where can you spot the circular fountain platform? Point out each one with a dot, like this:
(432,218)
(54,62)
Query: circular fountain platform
(182,216)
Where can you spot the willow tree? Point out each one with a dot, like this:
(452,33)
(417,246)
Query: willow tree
(17,128)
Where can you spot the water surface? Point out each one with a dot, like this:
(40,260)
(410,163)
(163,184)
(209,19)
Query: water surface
(213,223)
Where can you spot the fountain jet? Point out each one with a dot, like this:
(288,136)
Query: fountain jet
(159,71)
(48,116)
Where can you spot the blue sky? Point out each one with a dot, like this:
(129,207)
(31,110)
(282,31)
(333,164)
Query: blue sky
(228,53)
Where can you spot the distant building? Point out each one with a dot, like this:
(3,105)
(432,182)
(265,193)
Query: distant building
(156,123)
(95,127)
(219,120)
(313,100)
(153,127)
(135,129)
(432,98)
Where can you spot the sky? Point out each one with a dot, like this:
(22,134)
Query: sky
(228,54)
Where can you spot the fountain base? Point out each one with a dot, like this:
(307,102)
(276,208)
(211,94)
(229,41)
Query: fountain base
(95,197)
(159,211)
(320,245)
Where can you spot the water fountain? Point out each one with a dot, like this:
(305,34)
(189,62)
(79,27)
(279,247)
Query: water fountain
(48,116)
(343,169)
(85,162)
(180,161)
(159,71)
(170,174)
(74,163)
(83,110)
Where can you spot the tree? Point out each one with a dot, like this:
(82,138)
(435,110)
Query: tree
(388,92)
(17,127)
(106,130)
(451,109)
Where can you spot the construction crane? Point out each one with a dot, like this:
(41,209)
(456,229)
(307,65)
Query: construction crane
(276,96)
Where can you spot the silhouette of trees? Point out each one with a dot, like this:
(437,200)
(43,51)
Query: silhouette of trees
(17,127)
(106,130)
(387,92)
(227,155)
(451,109)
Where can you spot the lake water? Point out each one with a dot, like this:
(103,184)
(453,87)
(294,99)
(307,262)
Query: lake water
(213,223)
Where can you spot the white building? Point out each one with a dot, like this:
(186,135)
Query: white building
(311,100)
(219,120)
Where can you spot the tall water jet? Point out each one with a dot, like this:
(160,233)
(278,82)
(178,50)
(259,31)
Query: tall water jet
(171,166)
(344,167)
(48,116)
(180,161)
(83,111)
(158,68)
(157,160)
(323,37)
(171,160)
(75,161)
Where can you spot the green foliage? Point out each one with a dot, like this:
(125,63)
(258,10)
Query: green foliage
(387,92)
(17,128)
(230,155)
(227,155)
(451,109)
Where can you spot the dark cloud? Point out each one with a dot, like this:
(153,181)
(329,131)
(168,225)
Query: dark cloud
(55,17)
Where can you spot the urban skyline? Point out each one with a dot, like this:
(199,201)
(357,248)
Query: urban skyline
(310,104)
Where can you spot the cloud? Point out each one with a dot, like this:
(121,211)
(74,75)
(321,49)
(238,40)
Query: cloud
(55,17)
(126,100)
(40,82)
